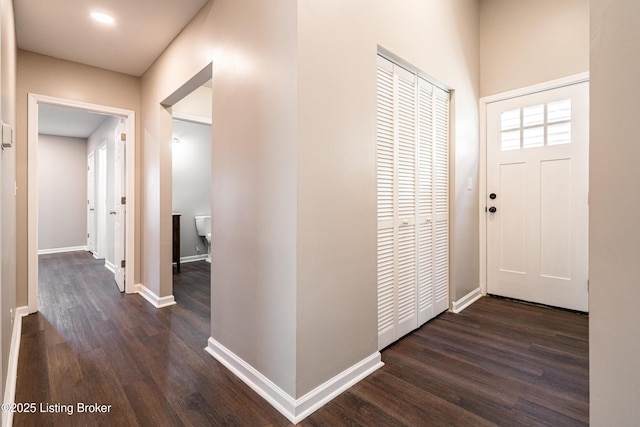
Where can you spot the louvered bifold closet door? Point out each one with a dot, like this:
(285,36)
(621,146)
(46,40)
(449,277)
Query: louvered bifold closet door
(441,200)
(386,172)
(425,201)
(412,173)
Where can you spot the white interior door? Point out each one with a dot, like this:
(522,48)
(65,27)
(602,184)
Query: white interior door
(537,197)
(118,207)
(101,203)
(91,217)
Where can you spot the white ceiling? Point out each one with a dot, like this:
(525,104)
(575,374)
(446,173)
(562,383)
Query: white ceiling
(64,29)
(62,121)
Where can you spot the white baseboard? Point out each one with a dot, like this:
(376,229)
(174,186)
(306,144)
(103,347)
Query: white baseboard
(467,300)
(12,369)
(294,409)
(154,299)
(193,258)
(110,266)
(61,250)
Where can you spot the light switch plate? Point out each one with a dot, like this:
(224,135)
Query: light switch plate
(7,136)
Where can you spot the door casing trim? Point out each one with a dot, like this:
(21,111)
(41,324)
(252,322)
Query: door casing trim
(32,183)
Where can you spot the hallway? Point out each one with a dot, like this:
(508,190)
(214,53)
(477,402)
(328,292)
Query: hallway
(497,363)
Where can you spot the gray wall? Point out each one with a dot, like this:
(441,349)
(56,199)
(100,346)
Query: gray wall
(614,212)
(191,184)
(7,185)
(525,42)
(293,174)
(62,192)
(336,176)
(254,190)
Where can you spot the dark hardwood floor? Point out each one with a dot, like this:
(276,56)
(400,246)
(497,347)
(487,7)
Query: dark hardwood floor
(497,363)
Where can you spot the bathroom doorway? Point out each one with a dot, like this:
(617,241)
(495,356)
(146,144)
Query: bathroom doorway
(191,102)
(191,178)
(75,189)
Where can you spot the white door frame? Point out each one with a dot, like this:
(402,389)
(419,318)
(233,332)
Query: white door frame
(482,167)
(91,205)
(119,234)
(32,184)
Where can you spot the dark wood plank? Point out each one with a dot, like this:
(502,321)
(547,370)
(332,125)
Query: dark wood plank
(499,362)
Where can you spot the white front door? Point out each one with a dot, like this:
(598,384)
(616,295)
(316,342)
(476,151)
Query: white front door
(537,197)
(91,208)
(118,206)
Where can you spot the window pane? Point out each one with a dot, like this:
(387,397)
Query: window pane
(559,134)
(533,137)
(510,140)
(510,119)
(533,115)
(559,111)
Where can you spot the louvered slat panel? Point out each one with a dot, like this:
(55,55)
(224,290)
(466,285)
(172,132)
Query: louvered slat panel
(406,147)
(385,144)
(425,148)
(441,262)
(406,272)
(441,150)
(385,165)
(385,279)
(425,272)
(425,201)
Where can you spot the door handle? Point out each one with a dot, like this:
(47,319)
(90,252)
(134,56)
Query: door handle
(492,209)
(112,212)
(91,209)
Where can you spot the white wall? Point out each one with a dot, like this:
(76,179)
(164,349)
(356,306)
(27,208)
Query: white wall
(191,183)
(614,210)
(62,192)
(525,42)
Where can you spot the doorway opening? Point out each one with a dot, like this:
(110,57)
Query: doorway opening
(191,175)
(93,209)
(190,107)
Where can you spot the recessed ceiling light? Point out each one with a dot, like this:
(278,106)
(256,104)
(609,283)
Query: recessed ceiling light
(102,17)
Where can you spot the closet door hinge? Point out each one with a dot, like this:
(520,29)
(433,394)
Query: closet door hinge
(123,264)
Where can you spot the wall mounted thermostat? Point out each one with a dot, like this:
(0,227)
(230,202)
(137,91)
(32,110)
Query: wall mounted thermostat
(7,136)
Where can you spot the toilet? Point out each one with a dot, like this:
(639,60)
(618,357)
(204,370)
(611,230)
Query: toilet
(203,227)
